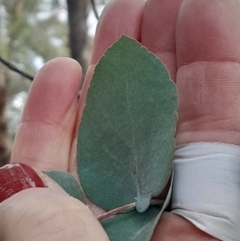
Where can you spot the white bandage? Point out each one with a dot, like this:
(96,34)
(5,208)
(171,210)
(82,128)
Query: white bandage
(206,188)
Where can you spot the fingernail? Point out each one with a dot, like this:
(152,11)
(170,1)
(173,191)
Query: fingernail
(17,177)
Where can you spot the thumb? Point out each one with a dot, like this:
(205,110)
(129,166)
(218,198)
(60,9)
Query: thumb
(47,214)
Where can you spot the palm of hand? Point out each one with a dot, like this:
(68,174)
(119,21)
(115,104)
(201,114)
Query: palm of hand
(199,43)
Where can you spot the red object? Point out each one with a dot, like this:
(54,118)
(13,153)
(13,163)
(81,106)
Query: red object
(17,177)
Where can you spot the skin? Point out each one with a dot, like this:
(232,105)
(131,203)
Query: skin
(199,42)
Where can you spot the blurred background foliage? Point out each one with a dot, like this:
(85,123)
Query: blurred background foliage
(32,33)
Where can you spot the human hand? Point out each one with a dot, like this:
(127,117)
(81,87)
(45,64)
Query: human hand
(197,41)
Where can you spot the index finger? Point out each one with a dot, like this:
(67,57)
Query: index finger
(158,31)
(44,137)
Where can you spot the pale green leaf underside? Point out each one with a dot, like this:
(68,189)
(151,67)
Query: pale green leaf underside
(132,226)
(68,183)
(125,140)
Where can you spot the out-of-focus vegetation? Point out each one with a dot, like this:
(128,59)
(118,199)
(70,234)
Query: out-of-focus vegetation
(31,33)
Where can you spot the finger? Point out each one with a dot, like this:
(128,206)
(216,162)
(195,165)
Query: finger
(158,30)
(171,226)
(45,133)
(119,17)
(42,214)
(208,77)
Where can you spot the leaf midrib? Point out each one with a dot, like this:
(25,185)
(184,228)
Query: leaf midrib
(136,179)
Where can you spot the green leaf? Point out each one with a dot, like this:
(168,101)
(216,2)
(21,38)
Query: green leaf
(132,226)
(68,183)
(135,226)
(126,136)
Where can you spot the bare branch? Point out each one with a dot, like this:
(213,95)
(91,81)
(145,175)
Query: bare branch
(94,9)
(15,69)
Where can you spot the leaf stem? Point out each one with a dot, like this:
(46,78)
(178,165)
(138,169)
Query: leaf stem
(116,211)
(124,208)
(156,202)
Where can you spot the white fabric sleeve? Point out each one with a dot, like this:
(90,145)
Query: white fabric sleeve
(206,188)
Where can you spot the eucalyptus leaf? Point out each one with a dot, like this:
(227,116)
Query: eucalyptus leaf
(135,226)
(126,135)
(132,226)
(68,183)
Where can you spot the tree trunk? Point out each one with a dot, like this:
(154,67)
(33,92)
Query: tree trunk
(77,15)
(4,82)
(4,147)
